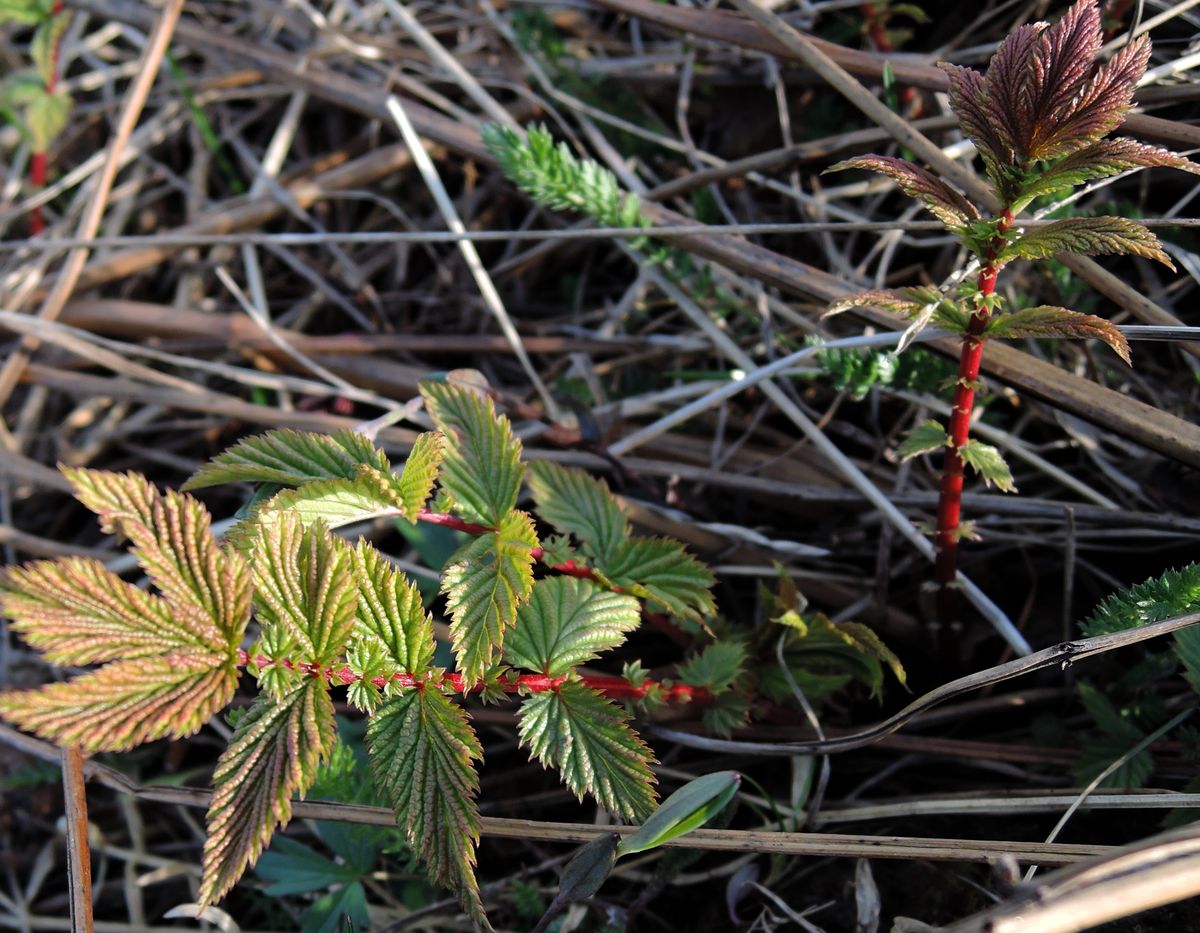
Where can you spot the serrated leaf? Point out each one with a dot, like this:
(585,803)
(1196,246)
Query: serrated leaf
(867,641)
(588,739)
(390,612)
(290,458)
(1087,236)
(411,489)
(485,581)
(126,703)
(568,622)
(304,583)
(581,505)
(334,502)
(716,667)
(482,468)
(274,755)
(1050,321)
(204,584)
(925,438)
(688,808)
(946,204)
(1101,160)
(989,463)
(660,570)
(920,304)
(75,611)
(422,751)
(969,102)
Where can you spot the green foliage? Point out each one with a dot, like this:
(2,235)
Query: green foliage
(1049,321)
(989,463)
(716,667)
(290,458)
(688,808)
(1087,236)
(925,438)
(580,505)
(858,371)
(28,98)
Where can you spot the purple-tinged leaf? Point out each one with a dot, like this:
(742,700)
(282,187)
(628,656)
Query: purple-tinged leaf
(1088,236)
(1061,65)
(969,101)
(1050,321)
(1101,160)
(1098,108)
(274,755)
(126,703)
(1006,89)
(946,204)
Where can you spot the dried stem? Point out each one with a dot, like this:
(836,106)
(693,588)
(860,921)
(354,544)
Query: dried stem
(79,859)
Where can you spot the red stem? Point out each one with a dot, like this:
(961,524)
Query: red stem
(613,687)
(37,164)
(950,496)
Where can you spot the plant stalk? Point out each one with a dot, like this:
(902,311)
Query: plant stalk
(39,160)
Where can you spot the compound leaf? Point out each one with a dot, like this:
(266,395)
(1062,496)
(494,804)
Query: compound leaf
(568,622)
(290,458)
(716,667)
(1087,236)
(276,750)
(946,204)
(588,739)
(484,582)
(422,751)
(1050,321)
(390,612)
(126,703)
(482,468)
(1101,160)
(304,583)
(925,438)
(660,570)
(206,586)
(578,504)
(75,611)
(987,461)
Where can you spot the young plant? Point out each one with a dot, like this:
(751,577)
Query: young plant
(1038,119)
(328,613)
(33,101)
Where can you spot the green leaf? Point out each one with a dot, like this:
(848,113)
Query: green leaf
(411,489)
(925,438)
(294,868)
(422,752)
(1087,236)
(716,667)
(577,504)
(1050,321)
(43,48)
(1174,593)
(485,582)
(274,755)
(867,641)
(75,612)
(304,583)
(688,808)
(482,469)
(568,622)
(588,869)
(1100,160)
(588,739)
(206,586)
(126,703)
(1187,649)
(290,458)
(24,12)
(989,463)
(46,117)
(391,613)
(334,502)
(660,570)
(912,303)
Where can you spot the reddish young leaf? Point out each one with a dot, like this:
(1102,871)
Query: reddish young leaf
(1049,321)
(946,204)
(1006,90)
(1061,64)
(1101,160)
(969,101)
(1088,236)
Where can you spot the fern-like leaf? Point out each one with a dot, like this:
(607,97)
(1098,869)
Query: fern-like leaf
(1050,321)
(204,584)
(422,751)
(304,583)
(485,581)
(1087,236)
(290,458)
(660,570)
(482,469)
(75,611)
(588,739)
(568,622)
(276,750)
(946,204)
(126,703)
(391,613)
(580,505)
